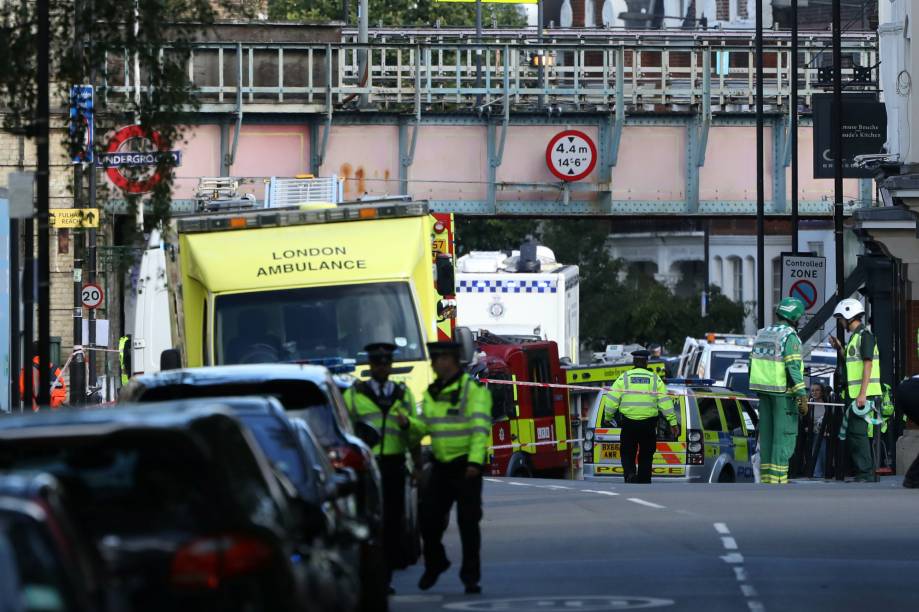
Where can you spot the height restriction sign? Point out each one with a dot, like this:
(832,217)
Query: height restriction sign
(804,277)
(571,155)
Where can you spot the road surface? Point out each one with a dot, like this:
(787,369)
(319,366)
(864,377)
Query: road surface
(570,545)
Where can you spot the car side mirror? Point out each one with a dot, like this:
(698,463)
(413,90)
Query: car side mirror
(464,337)
(369,434)
(170,359)
(445,281)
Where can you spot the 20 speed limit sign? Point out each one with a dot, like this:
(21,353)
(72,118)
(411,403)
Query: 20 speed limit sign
(571,155)
(92,296)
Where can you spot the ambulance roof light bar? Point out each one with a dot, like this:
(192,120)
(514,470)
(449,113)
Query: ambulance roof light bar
(302,215)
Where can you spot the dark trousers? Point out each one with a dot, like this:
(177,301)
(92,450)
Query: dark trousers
(908,403)
(640,436)
(448,484)
(392,470)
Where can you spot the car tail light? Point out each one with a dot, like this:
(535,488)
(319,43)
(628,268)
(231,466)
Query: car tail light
(205,562)
(695,447)
(347,457)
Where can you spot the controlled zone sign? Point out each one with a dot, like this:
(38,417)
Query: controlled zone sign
(571,155)
(92,295)
(804,277)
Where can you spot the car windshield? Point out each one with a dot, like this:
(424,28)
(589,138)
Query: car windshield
(823,359)
(722,360)
(739,382)
(316,323)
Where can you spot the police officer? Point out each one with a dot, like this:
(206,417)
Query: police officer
(777,378)
(457,414)
(390,408)
(639,395)
(863,388)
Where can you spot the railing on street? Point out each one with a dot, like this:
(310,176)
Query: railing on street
(668,71)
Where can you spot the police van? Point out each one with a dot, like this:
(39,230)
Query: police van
(716,443)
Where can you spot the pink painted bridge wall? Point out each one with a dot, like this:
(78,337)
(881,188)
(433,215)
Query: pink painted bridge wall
(451,162)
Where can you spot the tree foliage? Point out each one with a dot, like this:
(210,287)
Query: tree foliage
(398,12)
(84,35)
(616,306)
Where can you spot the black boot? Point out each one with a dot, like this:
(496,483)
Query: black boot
(430,576)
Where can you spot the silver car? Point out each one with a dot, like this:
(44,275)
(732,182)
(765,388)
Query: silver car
(716,443)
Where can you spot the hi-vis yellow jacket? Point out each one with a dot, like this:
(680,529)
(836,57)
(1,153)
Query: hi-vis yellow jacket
(639,394)
(458,419)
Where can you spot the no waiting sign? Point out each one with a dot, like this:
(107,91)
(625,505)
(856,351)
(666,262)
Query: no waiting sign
(804,277)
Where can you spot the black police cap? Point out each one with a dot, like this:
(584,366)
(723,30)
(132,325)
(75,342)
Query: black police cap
(641,354)
(444,347)
(380,350)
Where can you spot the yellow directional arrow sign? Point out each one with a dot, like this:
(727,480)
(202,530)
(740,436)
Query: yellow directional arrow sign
(74,218)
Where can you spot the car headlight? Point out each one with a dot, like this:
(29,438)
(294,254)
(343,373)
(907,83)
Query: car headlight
(695,447)
(589,434)
(694,436)
(588,446)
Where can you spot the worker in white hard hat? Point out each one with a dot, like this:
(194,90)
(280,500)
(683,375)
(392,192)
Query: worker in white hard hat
(863,388)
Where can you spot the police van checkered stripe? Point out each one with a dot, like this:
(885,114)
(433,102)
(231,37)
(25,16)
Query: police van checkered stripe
(507,286)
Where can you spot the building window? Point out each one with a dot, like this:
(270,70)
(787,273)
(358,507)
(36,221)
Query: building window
(737,278)
(816,248)
(718,272)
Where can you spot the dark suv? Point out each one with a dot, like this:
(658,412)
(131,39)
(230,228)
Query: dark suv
(308,392)
(181,503)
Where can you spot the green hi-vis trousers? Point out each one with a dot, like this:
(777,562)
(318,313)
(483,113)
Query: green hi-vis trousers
(778,431)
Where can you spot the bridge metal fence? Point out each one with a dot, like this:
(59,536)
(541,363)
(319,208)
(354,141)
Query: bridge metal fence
(657,72)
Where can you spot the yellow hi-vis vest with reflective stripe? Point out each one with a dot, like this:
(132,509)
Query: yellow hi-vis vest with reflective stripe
(458,420)
(393,439)
(855,367)
(639,394)
(767,360)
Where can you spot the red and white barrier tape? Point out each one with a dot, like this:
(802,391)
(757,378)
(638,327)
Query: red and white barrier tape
(524,383)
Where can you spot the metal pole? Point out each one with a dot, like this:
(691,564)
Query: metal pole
(43,191)
(91,256)
(540,53)
(760,185)
(837,174)
(794,126)
(478,51)
(707,277)
(77,365)
(28,311)
(363,21)
(15,316)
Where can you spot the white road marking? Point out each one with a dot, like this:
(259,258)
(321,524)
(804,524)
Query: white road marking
(722,529)
(729,543)
(610,493)
(642,502)
(741,574)
(554,487)
(756,606)
(492,480)
(732,558)
(748,590)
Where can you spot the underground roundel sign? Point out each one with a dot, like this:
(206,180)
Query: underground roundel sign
(571,155)
(133,146)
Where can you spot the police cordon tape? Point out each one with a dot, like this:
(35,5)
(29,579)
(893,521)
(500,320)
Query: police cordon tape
(523,383)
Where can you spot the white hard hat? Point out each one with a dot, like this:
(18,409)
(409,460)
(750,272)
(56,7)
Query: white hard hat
(848,309)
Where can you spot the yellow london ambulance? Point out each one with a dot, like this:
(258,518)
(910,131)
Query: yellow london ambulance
(309,284)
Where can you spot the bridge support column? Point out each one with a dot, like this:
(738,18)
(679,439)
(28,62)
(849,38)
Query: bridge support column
(494,160)
(692,165)
(779,201)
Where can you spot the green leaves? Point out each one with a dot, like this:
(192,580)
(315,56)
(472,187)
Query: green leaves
(397,12)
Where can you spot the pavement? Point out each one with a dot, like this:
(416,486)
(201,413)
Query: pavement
(586,546)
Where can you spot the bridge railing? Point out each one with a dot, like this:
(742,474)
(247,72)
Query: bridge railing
(649,72)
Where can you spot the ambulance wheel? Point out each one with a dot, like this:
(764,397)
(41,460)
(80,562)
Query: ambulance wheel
(727,474)
(519,466)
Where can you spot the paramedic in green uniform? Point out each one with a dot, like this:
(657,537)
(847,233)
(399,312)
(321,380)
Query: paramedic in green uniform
(777,378)
(863,388)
